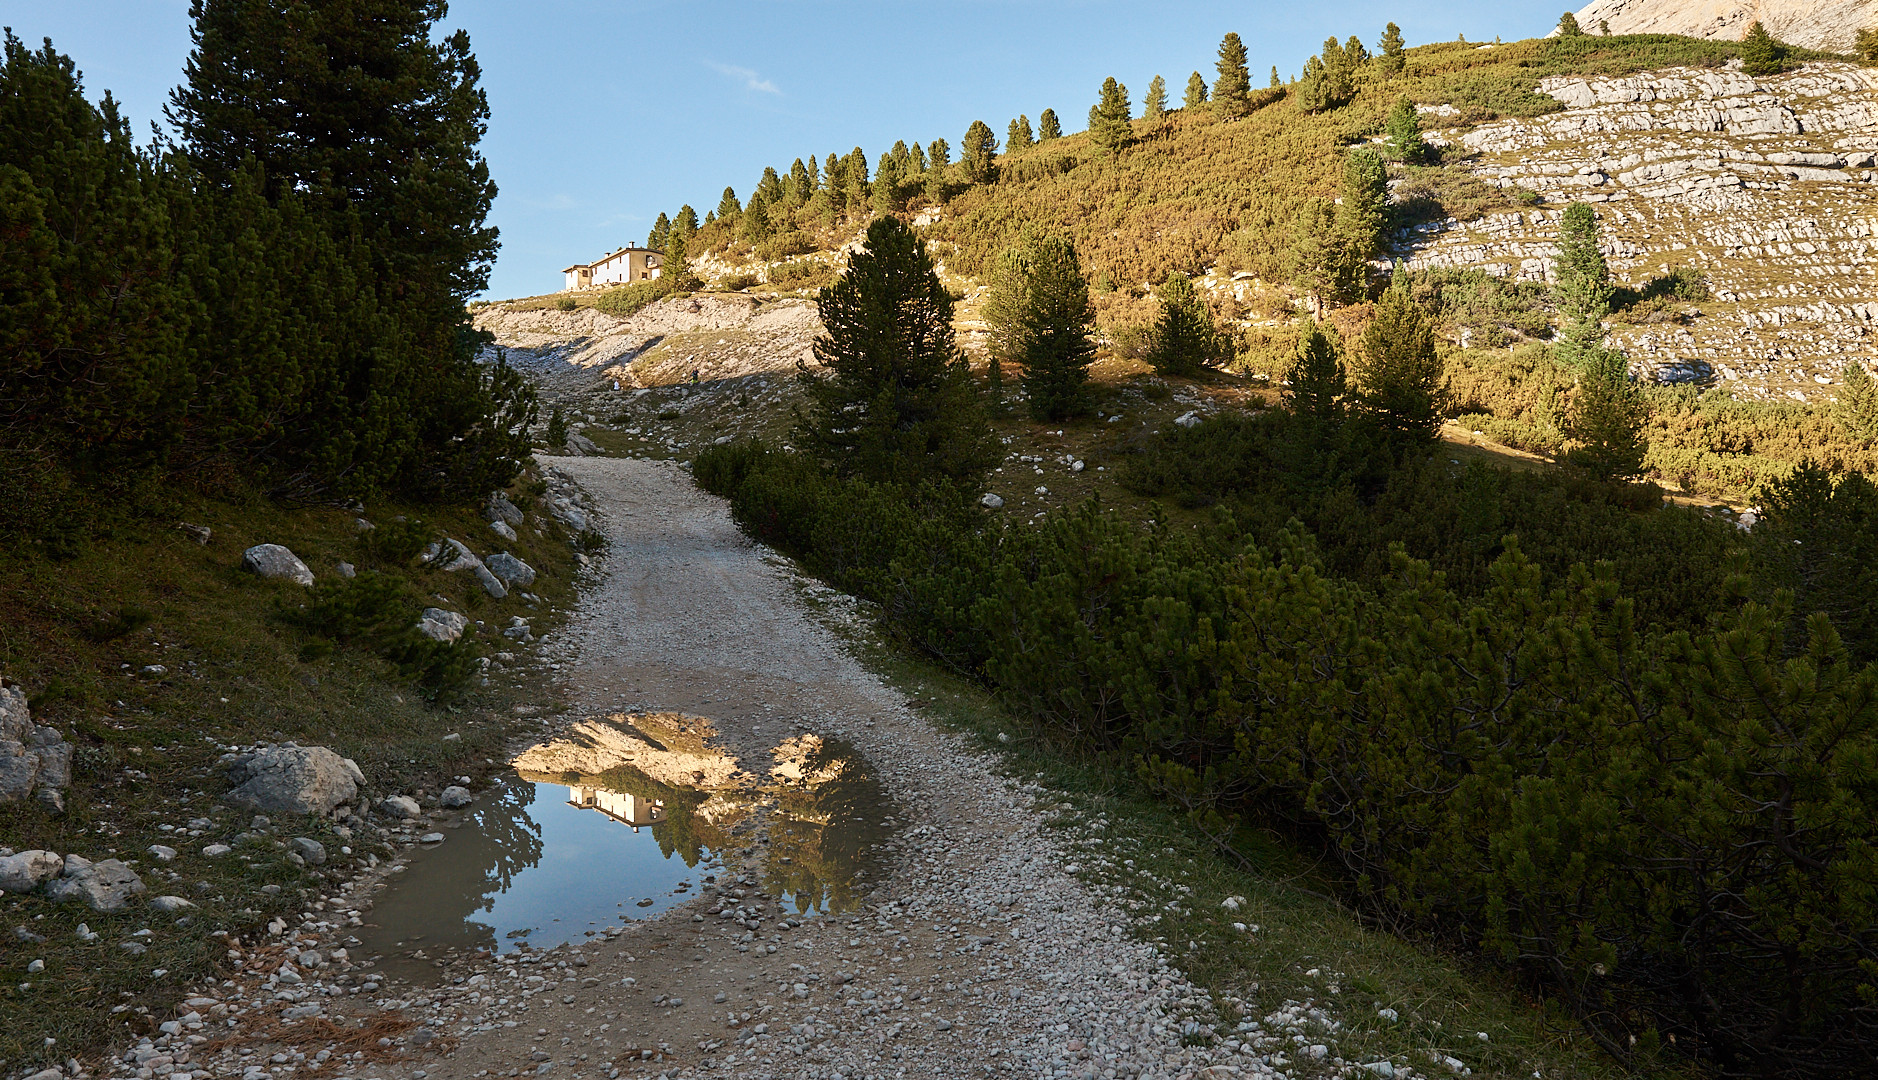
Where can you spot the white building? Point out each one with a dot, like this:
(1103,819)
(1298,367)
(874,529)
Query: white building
(628,264)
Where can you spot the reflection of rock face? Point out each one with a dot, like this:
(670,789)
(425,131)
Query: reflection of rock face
(667,747)
(826,823)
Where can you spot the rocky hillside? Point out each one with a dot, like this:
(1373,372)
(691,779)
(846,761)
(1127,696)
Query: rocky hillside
(1766,185)
(1830,25)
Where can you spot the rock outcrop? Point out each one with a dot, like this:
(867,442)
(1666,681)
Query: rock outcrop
(293,780)
(33,757)
(1828,25)
(1767,186)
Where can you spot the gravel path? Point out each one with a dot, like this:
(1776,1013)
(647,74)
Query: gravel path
(974,950)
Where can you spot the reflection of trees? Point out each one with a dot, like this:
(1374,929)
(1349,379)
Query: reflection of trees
(684,831)
(516,837)
(826,825)
(465,876)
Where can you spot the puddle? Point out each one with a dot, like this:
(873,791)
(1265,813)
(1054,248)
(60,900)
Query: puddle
(618,820)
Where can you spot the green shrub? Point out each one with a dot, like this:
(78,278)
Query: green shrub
(734,282)
(1650,823)
(627,300)
(801,274)
(566,303)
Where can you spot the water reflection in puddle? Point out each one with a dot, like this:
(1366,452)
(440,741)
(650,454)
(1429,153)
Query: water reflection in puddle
(621,819)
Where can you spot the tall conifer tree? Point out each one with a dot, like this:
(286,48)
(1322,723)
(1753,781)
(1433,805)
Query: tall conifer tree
(1154,106)
(1393,52)
(977,156)
(1048,127)
(1234,84)
(1196,92)
(899,404)
(1109,127)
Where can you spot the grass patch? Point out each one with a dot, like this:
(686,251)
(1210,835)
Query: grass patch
(242,661)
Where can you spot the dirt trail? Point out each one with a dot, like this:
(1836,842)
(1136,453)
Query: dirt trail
(967,946)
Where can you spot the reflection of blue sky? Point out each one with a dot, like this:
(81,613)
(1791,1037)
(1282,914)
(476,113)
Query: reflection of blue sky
(529,868)
(592,870)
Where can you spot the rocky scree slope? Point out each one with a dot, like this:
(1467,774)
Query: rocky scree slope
(1765,185)
(1829,25)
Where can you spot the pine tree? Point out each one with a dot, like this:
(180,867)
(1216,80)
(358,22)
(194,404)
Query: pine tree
(1856,409)
(1277,84)
(1109,127)
(362,114)
(1232,88)
(1607,418)
(1048,127)
(1761,54)
(1040,317)
(1394,56)
(977,155)
(1865,46)
(1316,385)
(1327,82)
(1185,339)
(1581,286)
(685,221)
(898,404)
(1017,136)
(1154,106)
(1196,91)
(1363,213)
(1400,372)
(854,176)
(728,206)
(755,226)
(1568,26)
(675,270)
(1404,126)
(661,229)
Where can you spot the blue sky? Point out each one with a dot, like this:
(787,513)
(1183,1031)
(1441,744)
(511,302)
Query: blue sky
(607,112)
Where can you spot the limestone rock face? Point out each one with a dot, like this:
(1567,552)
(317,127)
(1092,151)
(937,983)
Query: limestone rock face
(275,561)
(33,757)
(293,780)
(1829,25)
(1764,185)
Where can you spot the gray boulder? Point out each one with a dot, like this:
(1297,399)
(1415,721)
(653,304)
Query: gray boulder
(32,756)
(309,849)
(499,508)
(24,872)
(293,780)
(991,501)
(511,570)
(274,561)
(438,624)
(107,885)
(457,557)
(453,797)
(400,806)
(171,905)
(504,530)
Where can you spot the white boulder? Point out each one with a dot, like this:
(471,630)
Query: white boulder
(293,780)
(275,561)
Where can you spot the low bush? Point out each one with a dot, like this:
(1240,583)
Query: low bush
(801,274)
(1644,793)
(566,303)
(627,300)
